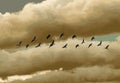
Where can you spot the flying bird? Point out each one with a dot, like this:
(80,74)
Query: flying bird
(90,45)
(83,41)
(61,35)
(19,44)
(107,47)
(77,46)
(92,38)
(38,45)
(65,46)
(34,38)
(27,45)
(48,36)
(100,43)
(53,42)
(74,36)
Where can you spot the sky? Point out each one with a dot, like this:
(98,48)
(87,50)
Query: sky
(21,20)
(14,5)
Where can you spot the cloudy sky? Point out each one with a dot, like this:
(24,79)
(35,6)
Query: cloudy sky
(21,20)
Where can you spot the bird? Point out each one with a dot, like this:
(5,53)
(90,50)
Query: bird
(90,45)
(77,46)
(74,36)
(61,35)
(27,45)
(83,41)
(19,44)
(100,43)
(65,46)
(34,38)
(53,42)
(92,38)
(107,47)
(48,36)
(38,45)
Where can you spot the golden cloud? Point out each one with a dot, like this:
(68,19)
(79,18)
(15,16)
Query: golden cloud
(80,17)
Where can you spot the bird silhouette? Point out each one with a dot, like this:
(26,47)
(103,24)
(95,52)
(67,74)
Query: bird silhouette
(107,47)
(83,41)
(34,38)
(61,35)
(100,43)
(48,36)
(77,46)
(53,42)
(65,46)
(19,44)
(74,36)
(27,45)
(92,38)
(38,45)
(90,45)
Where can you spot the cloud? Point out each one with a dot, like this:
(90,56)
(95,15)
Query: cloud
(27,61)
(81,17)
(77,75)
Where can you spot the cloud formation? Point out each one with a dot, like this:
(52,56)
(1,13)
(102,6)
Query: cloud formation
(81,17)
(45,58)
(77,75)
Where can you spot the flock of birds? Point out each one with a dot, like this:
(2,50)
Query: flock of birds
(65,46)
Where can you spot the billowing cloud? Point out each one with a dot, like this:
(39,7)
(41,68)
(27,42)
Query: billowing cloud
(79,75)
(45,58)
(81,17)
